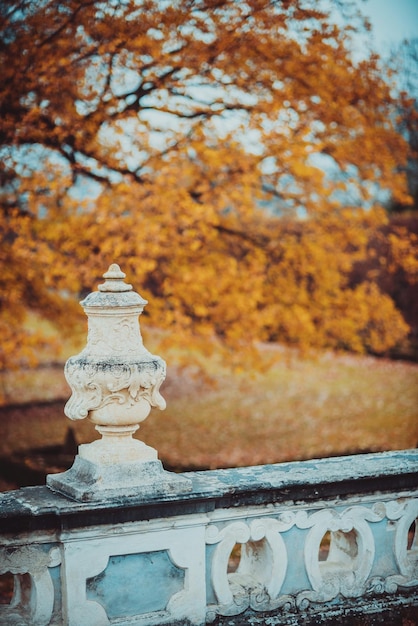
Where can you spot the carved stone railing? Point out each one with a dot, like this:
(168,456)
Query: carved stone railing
(244,546)
(118,540)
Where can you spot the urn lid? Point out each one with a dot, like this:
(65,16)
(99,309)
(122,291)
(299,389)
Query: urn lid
(114,292)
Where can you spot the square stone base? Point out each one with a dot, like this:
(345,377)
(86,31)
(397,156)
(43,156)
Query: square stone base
(90,482)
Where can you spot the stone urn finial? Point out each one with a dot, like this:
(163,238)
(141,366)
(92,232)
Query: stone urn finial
(115,382)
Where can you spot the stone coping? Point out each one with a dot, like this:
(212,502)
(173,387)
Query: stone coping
(35,508)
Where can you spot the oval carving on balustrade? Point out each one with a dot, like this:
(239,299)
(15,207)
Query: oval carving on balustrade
(33,595)
(258,579)
(350,558)
(405,544)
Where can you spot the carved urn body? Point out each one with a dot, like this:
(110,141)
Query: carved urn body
(115,380)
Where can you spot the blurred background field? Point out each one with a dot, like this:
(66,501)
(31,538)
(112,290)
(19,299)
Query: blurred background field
(301,407)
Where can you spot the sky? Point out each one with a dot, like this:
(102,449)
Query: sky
(392,21)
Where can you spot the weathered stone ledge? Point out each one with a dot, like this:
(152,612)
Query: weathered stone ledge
(256,485)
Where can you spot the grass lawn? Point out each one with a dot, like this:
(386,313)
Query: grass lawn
(299,408)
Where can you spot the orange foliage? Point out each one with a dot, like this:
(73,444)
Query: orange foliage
(207,126)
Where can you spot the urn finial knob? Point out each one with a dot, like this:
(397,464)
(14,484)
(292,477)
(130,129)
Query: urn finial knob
(114,280)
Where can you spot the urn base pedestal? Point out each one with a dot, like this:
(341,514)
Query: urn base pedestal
(116,447)
(86,481)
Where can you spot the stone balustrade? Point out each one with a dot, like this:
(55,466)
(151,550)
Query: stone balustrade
(296,543)
(118,540)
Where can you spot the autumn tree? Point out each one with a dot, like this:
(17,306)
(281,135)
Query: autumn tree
(391,259)
(403,62)
(227,154)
